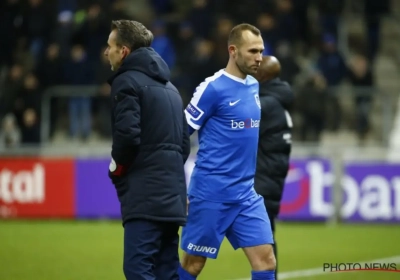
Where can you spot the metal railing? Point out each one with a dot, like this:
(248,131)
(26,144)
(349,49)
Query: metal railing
(60,92)
(384,102)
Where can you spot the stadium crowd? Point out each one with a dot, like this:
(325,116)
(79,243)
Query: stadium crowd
(62,42)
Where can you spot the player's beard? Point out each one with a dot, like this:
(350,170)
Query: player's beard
(241,65)
(245,70)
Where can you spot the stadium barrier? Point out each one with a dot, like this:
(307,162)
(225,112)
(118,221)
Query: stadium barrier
(79,188)
(382,111)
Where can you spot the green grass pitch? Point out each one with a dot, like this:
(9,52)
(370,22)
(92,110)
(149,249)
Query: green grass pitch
(70,250)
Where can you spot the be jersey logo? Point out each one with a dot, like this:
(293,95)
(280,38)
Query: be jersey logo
(247,123)
(194,111)
(257,98)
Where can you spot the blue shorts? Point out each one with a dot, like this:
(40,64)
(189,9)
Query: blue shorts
(245,224)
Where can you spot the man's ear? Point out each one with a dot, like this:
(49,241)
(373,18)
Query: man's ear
(232,50)
(125,52)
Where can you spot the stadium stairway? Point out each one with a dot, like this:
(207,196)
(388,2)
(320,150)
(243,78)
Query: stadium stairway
(392,48)
(386,105)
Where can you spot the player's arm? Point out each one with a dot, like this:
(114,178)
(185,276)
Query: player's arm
(201,107)
(126,134)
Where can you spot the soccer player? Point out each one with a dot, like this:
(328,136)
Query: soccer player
(275,139)
(150,146)
(225,109)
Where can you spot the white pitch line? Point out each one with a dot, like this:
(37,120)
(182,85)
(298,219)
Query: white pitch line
(318,271)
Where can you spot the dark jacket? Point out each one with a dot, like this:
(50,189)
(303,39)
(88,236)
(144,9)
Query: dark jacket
(150,140)
(274,145)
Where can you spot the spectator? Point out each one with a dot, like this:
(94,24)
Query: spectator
(290,67)
(311,104)
(118,10)
(331,62)
(244,11)
(191,36)
(329,13)
(200,18)
(162,7)
(10,29)
(204,63)
(286,21)
(221,33)
(10,135)
(50,74)
(185,47)
(28,97)
(30,127)
(333,67)
(93,32)
(62,32)
(102,101)
(270,34)
(162,43)
(12,86)
(300,12)
(37,25)
(78,71)
(48,69)
(373,11)
(21,54)
(361,77)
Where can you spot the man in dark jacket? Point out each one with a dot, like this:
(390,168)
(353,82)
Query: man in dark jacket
(150,146)
(274,144)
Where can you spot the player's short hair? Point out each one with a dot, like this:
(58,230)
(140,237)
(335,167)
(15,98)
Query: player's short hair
(235,36)
(132,34)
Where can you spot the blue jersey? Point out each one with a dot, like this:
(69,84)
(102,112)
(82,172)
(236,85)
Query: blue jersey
(226,112)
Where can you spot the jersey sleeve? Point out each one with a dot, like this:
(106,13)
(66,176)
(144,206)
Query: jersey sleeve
(201,106)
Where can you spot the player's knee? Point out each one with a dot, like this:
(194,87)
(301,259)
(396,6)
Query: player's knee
(270,261)
(193,264)
(265,260)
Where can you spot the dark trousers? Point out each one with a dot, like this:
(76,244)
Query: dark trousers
(151,250)
(274,246)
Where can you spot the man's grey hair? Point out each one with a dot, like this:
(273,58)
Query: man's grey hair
(132,34)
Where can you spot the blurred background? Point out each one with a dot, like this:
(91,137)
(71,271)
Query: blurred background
(342,58)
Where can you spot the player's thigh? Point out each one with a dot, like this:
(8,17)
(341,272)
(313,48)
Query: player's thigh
(206,226)
(167,259)
(252,226)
